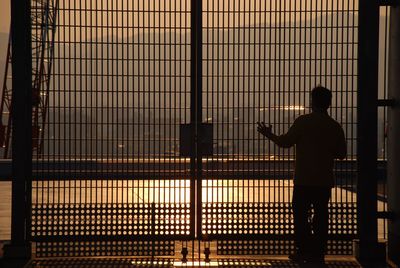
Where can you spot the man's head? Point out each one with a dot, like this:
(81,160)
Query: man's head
(321,98)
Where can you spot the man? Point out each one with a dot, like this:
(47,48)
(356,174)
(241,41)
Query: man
(319,139)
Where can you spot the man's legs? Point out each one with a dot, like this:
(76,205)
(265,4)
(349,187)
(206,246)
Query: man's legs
(320,220)
(302,229)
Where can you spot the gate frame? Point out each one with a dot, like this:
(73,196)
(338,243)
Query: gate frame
(368,248)
(196,101)
(22,116)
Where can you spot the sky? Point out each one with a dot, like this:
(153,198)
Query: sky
(4,27)
(4,16)
(207,4)
(103,17)
(152,5)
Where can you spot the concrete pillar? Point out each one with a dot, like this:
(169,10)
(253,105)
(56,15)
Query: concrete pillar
(394,136)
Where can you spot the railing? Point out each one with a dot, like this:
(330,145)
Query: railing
(173,168)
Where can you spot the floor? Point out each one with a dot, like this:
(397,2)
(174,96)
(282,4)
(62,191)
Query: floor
(339,194)
(111,262)
(222,262)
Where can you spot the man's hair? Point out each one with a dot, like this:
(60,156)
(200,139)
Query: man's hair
(321,97)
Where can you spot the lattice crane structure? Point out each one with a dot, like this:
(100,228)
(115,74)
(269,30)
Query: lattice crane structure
(44,16)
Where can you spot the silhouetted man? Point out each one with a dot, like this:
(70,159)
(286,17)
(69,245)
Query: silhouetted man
(319,139)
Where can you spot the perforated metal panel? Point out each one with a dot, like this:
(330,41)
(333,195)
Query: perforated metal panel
(101,263)
(103,248)
(133,221)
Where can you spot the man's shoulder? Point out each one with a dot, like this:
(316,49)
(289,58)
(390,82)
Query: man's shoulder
(303,117)
(333,125)
(318,118)
(334,122)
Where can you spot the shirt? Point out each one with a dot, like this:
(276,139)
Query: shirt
(319,139)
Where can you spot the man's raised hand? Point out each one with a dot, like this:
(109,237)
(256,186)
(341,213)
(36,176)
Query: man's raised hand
(263,129)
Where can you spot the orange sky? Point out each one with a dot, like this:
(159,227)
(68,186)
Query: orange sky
(5,7)
(4,28)
(4,16)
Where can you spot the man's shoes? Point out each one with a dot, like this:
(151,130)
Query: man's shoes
(315,262)
(308,261)
(298,258)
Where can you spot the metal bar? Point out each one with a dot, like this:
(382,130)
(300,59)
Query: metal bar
(382,141)
(193,101)
(196,106)
(368,37)
(393,148)
(393,3)
(386,103)
(386,215)
(22,132)
(150,238)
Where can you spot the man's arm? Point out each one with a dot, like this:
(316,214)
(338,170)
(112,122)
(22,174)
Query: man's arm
(286,140)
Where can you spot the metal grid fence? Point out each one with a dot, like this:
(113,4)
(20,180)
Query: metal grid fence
(261,60)
(110,179)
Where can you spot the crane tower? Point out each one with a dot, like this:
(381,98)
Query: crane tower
(43,16)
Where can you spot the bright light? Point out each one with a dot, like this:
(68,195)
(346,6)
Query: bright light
(196,264)
(294,108)
(286,108)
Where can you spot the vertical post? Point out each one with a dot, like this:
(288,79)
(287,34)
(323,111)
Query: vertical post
(199,108)
(21,129)
(394,136)
(196,110)
(368,45)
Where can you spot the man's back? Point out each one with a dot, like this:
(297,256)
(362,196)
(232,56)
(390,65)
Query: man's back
(319,140)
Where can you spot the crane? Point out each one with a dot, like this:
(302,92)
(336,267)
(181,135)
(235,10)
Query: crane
(43,16)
